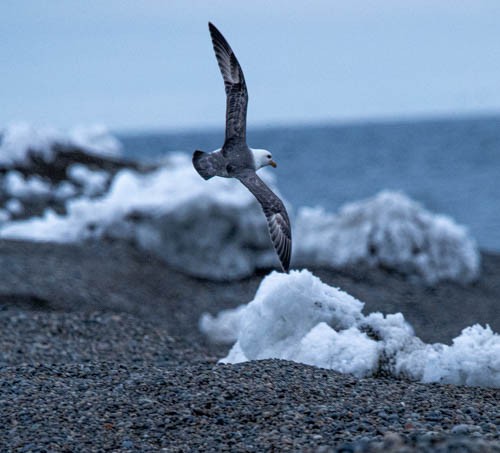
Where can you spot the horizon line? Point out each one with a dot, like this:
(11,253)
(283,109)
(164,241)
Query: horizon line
(326,122)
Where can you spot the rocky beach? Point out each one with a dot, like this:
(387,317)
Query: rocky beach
(100,350)
(108,270)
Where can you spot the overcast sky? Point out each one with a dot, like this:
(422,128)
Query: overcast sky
(149,64)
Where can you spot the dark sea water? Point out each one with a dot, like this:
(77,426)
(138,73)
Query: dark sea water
(450,166)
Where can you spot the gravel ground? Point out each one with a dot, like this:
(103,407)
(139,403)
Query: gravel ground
(252,407)
(99,351)
(59,338)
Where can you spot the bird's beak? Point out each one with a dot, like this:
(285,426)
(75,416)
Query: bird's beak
(273,164)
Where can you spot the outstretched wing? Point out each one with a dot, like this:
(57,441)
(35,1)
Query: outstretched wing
(275,212)
(234,82)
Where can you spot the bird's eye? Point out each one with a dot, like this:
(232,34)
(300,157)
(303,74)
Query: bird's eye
(269,156)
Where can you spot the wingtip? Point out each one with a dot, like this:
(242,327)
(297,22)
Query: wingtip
(285,267)
(212,28)
(216,35)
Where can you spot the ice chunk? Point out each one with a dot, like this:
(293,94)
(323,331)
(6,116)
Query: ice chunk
(22,141)
(51,227)
(472,359)
(32,187)
(389,230)
(95,139)
(64,190)
(347,351)
(235,355)
(223,328)
(14,206)
(93,182)
(297,317)
(282,313)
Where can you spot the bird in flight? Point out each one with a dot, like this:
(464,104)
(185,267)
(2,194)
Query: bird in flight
(235,159)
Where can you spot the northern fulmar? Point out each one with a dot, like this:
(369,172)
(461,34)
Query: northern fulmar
(235,159)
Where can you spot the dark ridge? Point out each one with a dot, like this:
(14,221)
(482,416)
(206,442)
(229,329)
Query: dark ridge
(30,302)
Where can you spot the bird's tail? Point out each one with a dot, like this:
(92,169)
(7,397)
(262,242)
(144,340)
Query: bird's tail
(202,164)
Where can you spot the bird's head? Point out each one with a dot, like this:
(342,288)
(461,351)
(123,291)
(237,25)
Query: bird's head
(263,157)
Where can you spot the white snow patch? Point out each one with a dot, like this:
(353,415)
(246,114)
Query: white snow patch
(236,355)
(389,230)
(95,139)
(64,190)
(297,317)
(52,227)
(347,351)
(93,182)
(14,206)
(472,359)
(224,327)
(32,187)
(282,313)
(21,140)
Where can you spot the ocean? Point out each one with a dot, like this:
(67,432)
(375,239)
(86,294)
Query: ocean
(451,166)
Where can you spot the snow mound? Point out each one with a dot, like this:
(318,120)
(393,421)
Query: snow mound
(388,230)
(297,317)
(472,359)
(95,139)
(224,327)
(93,182)
(14,206)
(21,142)
(21,139)
(213,229)
(31,188)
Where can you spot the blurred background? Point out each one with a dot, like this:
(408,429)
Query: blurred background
(351,97)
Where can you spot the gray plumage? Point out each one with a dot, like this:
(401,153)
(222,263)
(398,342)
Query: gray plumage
(234,83)
(235,159)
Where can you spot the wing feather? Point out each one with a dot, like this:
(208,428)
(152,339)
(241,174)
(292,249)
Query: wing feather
(276,215)
(234,83)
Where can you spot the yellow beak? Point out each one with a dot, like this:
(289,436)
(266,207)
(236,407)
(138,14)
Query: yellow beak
(273,164)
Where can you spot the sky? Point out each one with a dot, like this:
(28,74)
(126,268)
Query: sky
(147,64)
